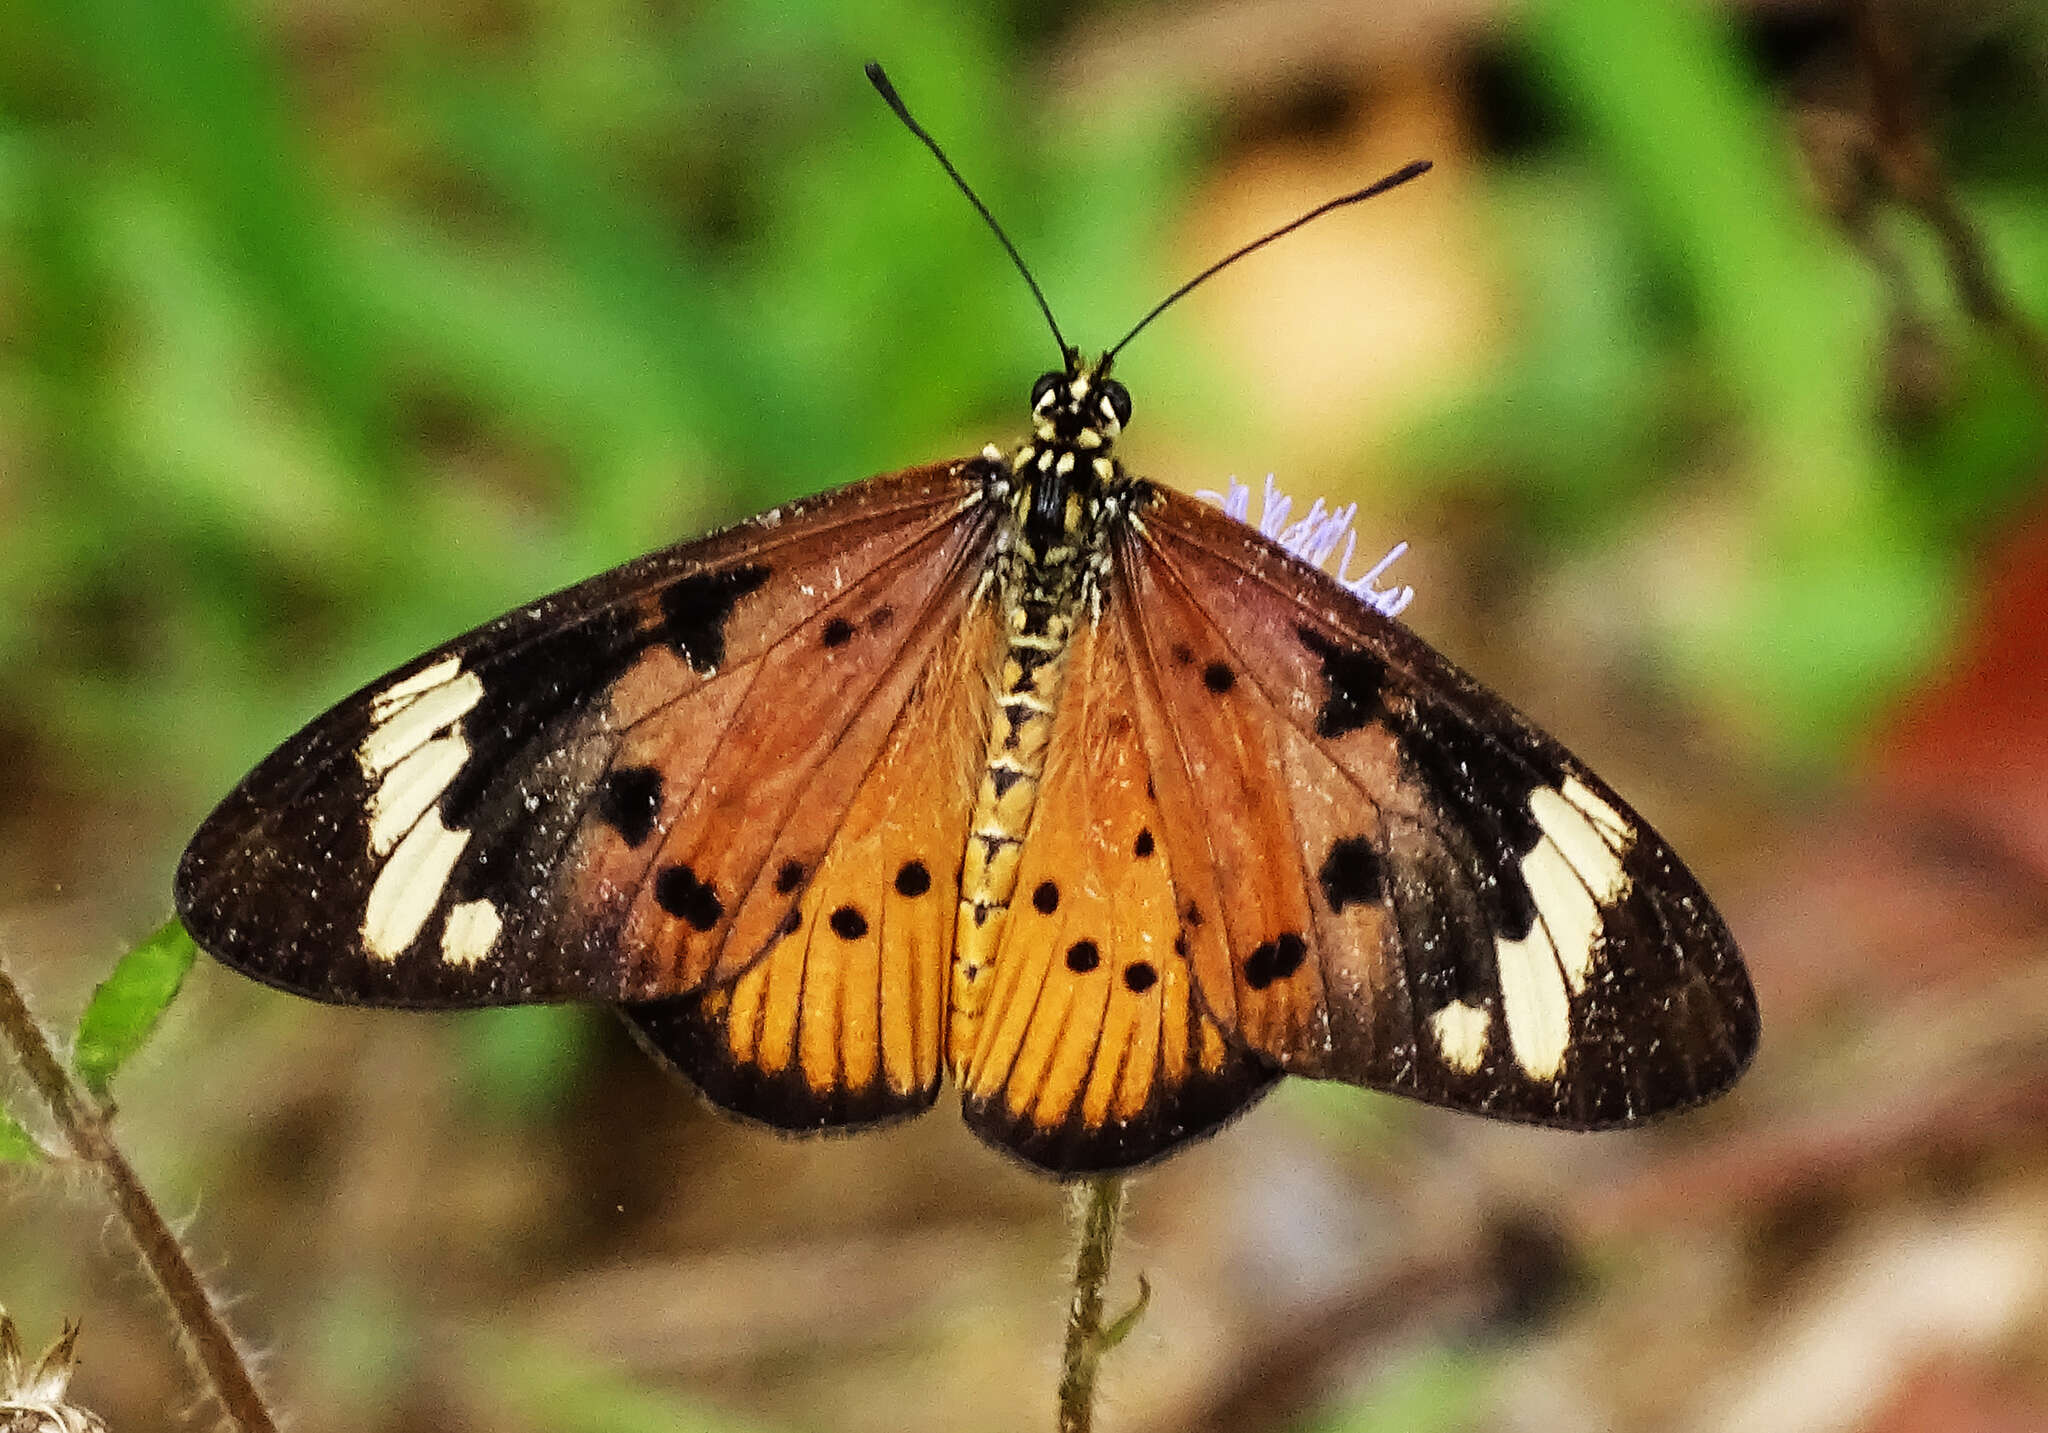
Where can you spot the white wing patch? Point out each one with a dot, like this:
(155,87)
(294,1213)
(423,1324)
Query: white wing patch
(409,886)
(469,932)
(404,793)
(406,716)
(414,750)
(384,703)
(1532,993)
(1462,1034)
(1610,821)
(1572,874)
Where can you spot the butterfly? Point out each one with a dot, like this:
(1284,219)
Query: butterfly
(1020,769)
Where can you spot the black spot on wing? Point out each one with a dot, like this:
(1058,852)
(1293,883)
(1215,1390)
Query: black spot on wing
(913,880)
(1275,960)
(1446,937)
(1083,956)
(696,608)
(788,877)
(848,923)
(1139,977)
(1045,899)
(1218,677)
(628,799)
(1142,847)
(838,632)
(678,891)
(1475,783)
(533,696)
(1352,874)
(1353,681)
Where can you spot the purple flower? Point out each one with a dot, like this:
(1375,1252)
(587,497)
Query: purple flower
(1315,536)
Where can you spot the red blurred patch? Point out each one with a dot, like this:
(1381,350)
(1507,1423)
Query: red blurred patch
(1973,745)
(1959,1397)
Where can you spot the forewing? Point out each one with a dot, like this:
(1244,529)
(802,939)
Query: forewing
(1093,1051)
(492,823)
(1418,890)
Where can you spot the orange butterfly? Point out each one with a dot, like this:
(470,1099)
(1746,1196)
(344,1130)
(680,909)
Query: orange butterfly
(1018,768)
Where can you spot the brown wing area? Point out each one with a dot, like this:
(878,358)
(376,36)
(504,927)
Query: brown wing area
(1407,885)
(761,772)
(841,1021)
(475,827)
(1094,1052)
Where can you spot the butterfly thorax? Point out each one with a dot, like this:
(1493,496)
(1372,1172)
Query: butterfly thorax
(1064,488)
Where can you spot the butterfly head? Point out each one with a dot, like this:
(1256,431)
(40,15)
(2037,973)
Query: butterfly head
(1080,407)
(1076,416)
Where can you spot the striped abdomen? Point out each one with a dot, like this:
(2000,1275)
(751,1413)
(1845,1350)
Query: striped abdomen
(1038,627)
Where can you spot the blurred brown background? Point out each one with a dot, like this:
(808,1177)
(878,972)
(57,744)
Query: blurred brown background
(1705,374)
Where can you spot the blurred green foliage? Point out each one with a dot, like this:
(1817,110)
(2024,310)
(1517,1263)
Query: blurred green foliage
(1429,1390)
(1683,296)
(17,1145)
(315,364)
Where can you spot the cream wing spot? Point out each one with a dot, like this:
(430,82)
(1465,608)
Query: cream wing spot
(1611,824)
(398,731)
(409,887)
(1462,1033)
(1565,913)
(398,694)
(469,932)
(405,792)
(1594,852)
(1571,876)
(1533,995)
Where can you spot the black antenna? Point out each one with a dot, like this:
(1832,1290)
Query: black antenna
(895,102)
(1400,176)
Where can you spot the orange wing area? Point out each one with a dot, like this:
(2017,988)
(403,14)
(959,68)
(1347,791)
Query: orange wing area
(472,828)
(842,1020)
(1094,1052)
(1419,890)
(761,771)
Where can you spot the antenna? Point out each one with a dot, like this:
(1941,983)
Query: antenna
(1400,176)
(895,102)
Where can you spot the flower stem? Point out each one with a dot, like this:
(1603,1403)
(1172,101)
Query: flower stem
(207,1341)
(1098,1208)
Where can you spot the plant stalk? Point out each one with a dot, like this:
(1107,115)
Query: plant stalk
(207,1341)
(1098,1208)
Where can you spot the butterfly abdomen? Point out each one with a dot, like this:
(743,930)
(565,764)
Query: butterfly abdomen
(1043,598)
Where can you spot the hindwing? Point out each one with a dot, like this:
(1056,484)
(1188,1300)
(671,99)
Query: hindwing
(1095,1050)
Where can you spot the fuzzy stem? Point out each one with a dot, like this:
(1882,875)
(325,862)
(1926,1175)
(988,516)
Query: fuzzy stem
(207,1341)
(1098,1208)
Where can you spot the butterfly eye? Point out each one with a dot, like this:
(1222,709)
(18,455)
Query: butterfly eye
(1116,400)
(1043,390)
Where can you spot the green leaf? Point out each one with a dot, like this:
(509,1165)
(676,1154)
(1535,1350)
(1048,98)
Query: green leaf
(129,1002)
(17,1145)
